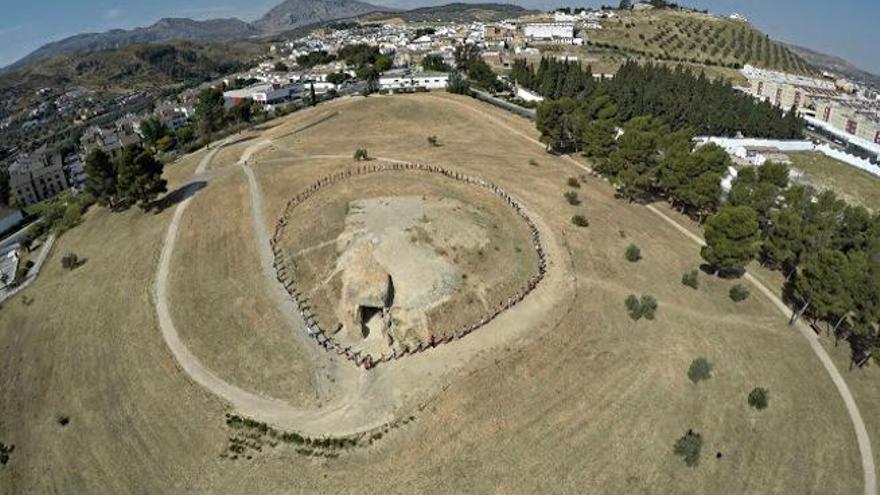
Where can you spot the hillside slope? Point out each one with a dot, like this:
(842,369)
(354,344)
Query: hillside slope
(292,14)
(163,30)
(836,65)
(456,12)
(685,36)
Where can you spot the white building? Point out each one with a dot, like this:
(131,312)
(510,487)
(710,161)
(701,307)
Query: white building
(549,30)
(526,95)
(411,82)
(266,94)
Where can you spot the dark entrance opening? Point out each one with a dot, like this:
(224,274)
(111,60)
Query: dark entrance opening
(365,314)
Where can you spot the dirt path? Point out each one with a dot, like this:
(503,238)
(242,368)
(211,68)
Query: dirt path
(361,400)
(861,431)
(864,441)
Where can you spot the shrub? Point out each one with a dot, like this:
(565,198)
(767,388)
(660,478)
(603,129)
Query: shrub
(361,154)
(580,221)
(572,198)
(648,307)
(633,253)
(688,447)
(699,370)
(69,261)
(5,452)
(759,398)
(691,279)
(738,293)
(633,306)
(533,162)
(573,182)
(432,140)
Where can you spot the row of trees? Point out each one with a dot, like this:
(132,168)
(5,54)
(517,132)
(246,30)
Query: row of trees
(829,251)
(133,178)
(676,97)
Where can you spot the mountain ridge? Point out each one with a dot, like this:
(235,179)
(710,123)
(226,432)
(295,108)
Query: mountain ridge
(288,15)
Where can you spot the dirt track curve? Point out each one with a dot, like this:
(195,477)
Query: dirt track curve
(360,400)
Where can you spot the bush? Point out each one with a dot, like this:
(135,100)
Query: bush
(580,221)
(533,162)
(633,253)
(432,140)
(361,155)
(633,306)
(699,370)
(688,447)
(691,279)
(759,398)
(69,261)
(648,307)
(573,182)
(739,293)
(572,198)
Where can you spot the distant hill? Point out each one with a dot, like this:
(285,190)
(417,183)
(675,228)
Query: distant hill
(132,67)
(456,12)
(692,37)
(297,13)
(836,65)
(163,30)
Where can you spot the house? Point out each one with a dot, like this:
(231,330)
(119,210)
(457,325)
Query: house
(266,94)
(37,177)
(108,140)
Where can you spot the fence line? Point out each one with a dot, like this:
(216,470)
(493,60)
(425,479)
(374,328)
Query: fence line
(284,273)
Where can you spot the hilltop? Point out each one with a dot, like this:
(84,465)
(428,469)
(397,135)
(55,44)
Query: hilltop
(455,12)
(163,30)
(836,65)
(687,36)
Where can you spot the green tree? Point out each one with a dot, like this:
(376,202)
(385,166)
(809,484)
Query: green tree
(101,180)
(759,398)
(823,283)
(242,112)
(458,84)
(731,238)
(699,370)
(210,112)
(599,139)
(691,279)
(738,293)
(139,177)
(688,447)
(633,253)
(434,63)
(153,130)
(466,55)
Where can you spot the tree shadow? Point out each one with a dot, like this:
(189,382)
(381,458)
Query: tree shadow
(178,195)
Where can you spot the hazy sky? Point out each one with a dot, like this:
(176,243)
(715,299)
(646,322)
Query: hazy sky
(847,28)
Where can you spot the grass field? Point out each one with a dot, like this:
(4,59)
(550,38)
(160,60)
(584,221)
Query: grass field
(854,185)
(591,402)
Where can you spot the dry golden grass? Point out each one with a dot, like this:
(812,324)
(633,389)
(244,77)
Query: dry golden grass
(217,293)
(594,405)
